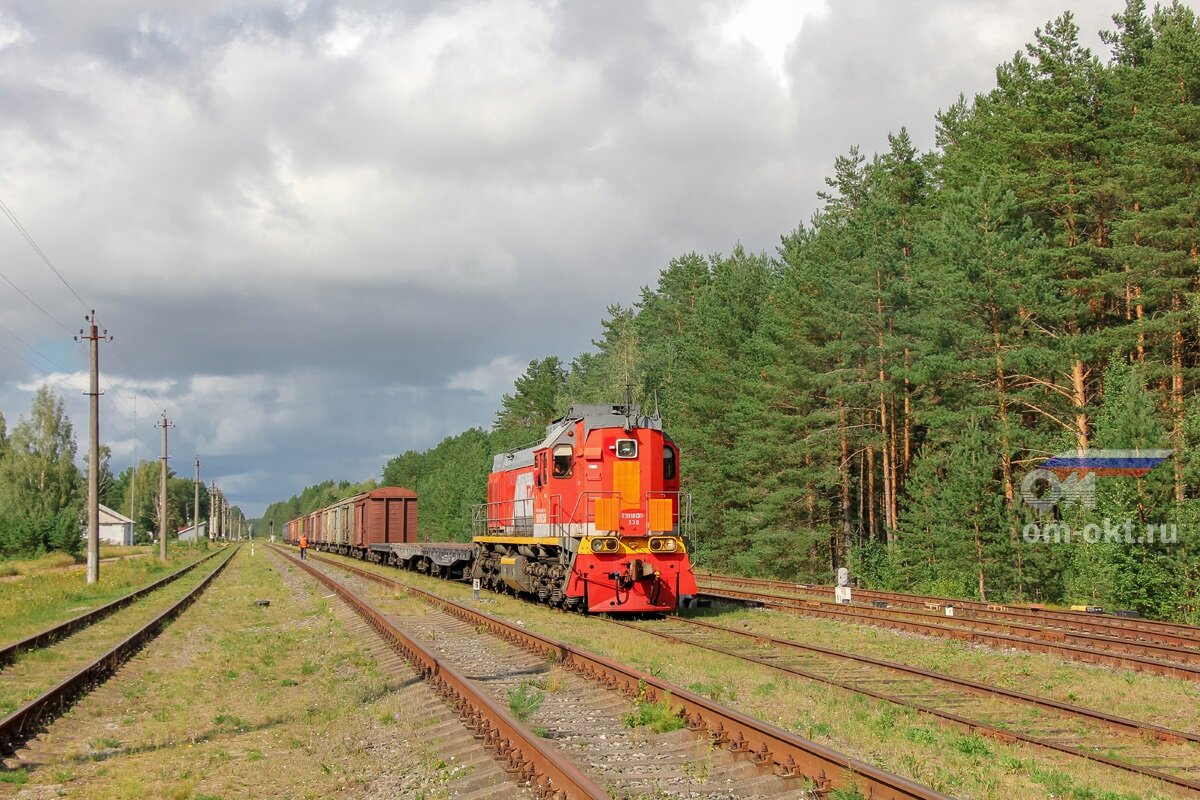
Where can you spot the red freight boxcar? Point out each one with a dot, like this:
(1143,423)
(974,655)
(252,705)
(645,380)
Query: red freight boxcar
(384,516)
(377,518)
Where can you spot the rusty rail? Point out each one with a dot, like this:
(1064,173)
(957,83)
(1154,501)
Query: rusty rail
(1113,721)
(1093,641)
(19,726)
(8,653)
(1005,735)
(786,754)
(548,773)
(873,616)
(1154,631)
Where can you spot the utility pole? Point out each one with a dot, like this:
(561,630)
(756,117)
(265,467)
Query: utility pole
(162,489)
(196,506)
(133,475)
(93,337)
(212,506)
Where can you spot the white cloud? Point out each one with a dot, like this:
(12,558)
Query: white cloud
(11,32)
(771,26)
(492,379)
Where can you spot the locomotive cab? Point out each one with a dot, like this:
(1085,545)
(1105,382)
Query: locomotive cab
(591,517)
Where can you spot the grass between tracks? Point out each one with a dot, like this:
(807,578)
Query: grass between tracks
(893,738)
(236,700)
(35,671)
(1151,698)
(35,601)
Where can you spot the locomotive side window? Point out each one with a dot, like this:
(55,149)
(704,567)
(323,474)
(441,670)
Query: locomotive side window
(668,463)
(626,448)
(564,460)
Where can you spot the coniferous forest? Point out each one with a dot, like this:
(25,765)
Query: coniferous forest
(874,392)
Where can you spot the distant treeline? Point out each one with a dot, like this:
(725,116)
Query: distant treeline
(874,393)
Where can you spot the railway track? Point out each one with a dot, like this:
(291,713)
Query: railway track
(476,774)
(1133,629)
(784,765)
(525,754)
(25,721)
(1166,660)
(48,636)
(1155,752)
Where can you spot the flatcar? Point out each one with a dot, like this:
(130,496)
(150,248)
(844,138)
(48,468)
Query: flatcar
(589,518)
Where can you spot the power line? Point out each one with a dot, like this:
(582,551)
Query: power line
(53,379)
(108,385)
(35,304)
(12,217)
(33,349)
(129,368)
(21,229)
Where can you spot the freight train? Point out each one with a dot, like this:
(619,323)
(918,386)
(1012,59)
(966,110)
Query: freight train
(590,518)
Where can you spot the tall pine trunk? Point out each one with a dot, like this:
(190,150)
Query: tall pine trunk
(1079,401)
(844,475)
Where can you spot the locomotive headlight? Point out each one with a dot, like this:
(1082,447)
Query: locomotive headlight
(626,448)
(662,544)
(607,544)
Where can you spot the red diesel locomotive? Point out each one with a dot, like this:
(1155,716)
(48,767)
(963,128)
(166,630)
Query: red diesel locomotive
(590,518)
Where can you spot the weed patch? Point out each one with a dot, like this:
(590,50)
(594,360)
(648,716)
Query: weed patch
(525,700)
(658,716)
(16,777)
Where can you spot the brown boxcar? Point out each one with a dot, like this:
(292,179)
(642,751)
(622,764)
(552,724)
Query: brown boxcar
(384,516)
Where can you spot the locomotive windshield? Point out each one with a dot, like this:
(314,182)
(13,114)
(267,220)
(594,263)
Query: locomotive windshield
(668,463)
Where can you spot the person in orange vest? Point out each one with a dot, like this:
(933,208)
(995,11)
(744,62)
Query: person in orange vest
(303,547)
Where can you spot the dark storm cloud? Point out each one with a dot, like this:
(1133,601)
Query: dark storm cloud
(327,232)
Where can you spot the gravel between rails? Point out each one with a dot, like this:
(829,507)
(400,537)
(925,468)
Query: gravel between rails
(584,720)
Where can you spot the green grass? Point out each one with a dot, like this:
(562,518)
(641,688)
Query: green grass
(42,598)
(16,777)
(29,566)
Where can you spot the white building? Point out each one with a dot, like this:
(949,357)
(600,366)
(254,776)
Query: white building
(188,534)
(115,528)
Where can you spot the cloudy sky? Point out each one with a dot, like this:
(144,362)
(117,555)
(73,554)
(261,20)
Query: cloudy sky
(322,233)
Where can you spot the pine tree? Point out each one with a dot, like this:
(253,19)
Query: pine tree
(955,541)
(533,403)
(1128,572)
(707,422)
